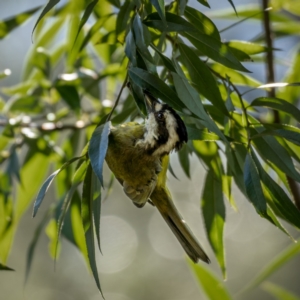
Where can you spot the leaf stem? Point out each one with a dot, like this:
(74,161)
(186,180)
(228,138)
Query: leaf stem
(244,109)
(118,98)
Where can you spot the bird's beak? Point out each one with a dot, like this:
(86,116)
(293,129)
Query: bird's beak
(149,103)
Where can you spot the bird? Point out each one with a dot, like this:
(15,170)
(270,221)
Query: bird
(138,155)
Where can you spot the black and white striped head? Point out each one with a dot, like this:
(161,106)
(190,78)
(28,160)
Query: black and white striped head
(164,129)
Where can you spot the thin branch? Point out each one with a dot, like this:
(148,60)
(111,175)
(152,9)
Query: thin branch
(294,187)
(269,54)
(118,98)
(49,126)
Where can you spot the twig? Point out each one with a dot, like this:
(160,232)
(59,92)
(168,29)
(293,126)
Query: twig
(49,126)
(244,110)
(271,93)
(269,54)
(118,98)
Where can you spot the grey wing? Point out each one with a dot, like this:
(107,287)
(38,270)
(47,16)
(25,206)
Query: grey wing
(141,194)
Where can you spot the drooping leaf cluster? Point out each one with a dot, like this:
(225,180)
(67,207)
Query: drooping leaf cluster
(176,53)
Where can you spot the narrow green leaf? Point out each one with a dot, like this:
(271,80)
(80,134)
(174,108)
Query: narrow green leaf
(44,188)
(235,76)
(174,23)
(89,9)
(182,6)
(213,287)
(96,188)
(279,261)
(139,37)
(70,95)
(201,134)
(278,104)
(130,48)
(123,16)
(278,292)
(14,22)
(190,97)
(87,221)
(75,222)
(5,268)
(275,220)
(65,207)
(46,9)
(213,210)
(93,30)
(232,4)
(165,60)
(78,177)
(271,150)
(160,7)
(201,22)
(204,2)
(13,166)
(279,201)
(288,132)
(156,86)
(202,78)
(138,96)
(97,149)
(253,186)
(247,47)
(235,166)
(184,161)
(214,49)
(227,189)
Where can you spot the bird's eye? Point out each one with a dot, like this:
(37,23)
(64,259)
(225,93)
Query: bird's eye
(160,116)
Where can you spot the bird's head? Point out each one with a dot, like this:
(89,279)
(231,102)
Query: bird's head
(164,129)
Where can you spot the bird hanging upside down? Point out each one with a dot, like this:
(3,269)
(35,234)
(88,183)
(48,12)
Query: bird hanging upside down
(138,155)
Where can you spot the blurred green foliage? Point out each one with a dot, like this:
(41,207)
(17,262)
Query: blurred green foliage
(176,53)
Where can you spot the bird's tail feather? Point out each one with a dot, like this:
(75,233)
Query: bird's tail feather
(163,202)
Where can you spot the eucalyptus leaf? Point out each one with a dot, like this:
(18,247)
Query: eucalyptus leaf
(204,2)
(46,9)
(85,17)
(44,188)
(156,86)
(160,7)
(278,292)
(201,134)
(213,287)
(97,149)
(213,209)
(89,195)
(271,150)
(270,268)
(201,22)
(288,132)
(214,49)
(278,199)
(123,16)
(5,268)
(8,25)
(184,160)
(201,77)
(278,104)
(173,23)
(253,186)
(139,36)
